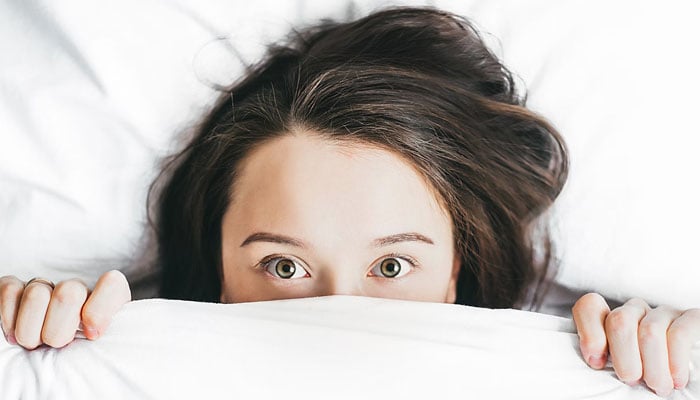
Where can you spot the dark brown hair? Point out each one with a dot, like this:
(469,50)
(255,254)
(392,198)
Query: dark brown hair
(417,81)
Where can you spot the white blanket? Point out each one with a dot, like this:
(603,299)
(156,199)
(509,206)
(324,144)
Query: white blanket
(336,347)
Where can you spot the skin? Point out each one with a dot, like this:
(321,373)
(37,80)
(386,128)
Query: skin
(37,314)
(314,193)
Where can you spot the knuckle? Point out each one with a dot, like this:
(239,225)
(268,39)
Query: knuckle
(117,280)
(114,277)
(651,332)
(677,333)
(618,321)
(693,313)
(637,302)
(10,288)
(663,309)
(588,300)
(70,292)
(8,279)
(37,293)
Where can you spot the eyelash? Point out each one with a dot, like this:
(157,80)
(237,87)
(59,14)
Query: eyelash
(414,263)
(264,263)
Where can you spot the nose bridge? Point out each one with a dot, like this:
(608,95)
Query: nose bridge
(343,280)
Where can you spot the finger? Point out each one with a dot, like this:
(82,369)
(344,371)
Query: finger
(63,314)
(653,347)
(110,293)
(30,318)
(11,290)
(589,314)
(683,333)
(621,327)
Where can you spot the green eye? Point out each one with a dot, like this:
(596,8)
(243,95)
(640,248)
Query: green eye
(394,266)
(390,267)
(284,268)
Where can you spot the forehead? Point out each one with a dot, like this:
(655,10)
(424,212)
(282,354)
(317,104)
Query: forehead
(308,184)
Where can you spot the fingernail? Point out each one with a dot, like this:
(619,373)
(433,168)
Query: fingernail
(596,361)
(11,339)
(679,383)
(664,393)
(91,333)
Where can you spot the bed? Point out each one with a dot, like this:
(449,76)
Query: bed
(93,94)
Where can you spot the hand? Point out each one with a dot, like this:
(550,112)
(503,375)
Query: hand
(644,343)
(36,314)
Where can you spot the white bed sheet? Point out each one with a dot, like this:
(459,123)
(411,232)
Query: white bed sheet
(334,347)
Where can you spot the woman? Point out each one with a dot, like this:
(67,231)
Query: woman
(389,156)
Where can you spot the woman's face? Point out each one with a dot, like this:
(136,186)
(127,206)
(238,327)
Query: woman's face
(312,218)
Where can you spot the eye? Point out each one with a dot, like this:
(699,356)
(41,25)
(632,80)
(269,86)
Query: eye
(393,267)
(284,268)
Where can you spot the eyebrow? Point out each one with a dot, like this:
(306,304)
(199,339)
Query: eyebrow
(379,242)
(272,238)
(401,237)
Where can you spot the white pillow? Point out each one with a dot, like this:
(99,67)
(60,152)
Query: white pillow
(93,93)
(617,81)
